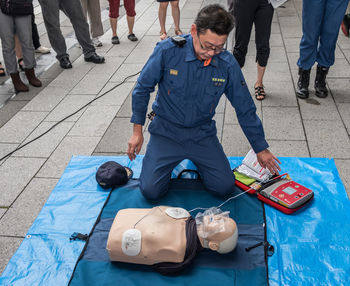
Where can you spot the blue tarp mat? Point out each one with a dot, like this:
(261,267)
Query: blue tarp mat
(311,246)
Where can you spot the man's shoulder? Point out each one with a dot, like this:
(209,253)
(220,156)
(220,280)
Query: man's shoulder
(227,58)
(170,44)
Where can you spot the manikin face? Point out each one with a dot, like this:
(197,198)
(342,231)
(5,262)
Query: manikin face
(221,233)
(208,44)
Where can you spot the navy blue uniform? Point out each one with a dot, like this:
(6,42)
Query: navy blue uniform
(321,22)
(188,92)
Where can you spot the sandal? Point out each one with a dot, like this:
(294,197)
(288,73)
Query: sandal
(2,70)
(178,32)
(163,36)
(20,63)
(260,93)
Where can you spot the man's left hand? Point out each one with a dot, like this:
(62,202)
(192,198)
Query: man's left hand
(267,160)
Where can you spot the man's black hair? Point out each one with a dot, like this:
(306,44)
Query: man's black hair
(215,18)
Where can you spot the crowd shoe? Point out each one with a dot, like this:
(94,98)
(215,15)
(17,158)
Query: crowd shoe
(320,82)
(33,80)
(97,43)
(95,58)
(42,50)
(18,83)
(65,63)
(115,40)
(303,84)
(132,37)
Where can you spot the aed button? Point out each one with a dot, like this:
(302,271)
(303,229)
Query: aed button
(301,194)
(296,186)
(296,197)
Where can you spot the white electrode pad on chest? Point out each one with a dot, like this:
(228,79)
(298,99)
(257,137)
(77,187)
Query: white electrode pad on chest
(131,242)
(177,213)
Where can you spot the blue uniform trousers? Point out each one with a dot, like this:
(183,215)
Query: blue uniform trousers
(321,22)
(169,144)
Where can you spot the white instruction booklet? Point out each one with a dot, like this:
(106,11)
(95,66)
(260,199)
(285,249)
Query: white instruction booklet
(251,168)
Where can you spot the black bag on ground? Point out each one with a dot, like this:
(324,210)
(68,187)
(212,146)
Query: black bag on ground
(17,7)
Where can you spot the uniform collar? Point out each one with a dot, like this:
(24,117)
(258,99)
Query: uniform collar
(191,56)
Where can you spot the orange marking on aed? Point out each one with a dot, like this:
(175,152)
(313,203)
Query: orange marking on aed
(168,91)
(207,62)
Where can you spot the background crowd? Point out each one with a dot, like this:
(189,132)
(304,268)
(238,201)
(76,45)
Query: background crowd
(20,38)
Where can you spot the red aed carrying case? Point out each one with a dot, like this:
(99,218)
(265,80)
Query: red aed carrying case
(281,193)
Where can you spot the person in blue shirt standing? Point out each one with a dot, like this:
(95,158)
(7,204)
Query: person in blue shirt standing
(321,22)
(192,74)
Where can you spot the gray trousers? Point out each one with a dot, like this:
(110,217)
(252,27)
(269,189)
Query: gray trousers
(73,10)
(93,9)
(20,25)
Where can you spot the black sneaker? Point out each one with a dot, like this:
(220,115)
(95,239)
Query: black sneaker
(115,40)
(303,84)
(132,37)
(65,63)
(95,58)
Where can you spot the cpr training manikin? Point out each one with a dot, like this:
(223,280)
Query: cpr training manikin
(169,238)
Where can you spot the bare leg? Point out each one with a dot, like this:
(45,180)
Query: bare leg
(259,81)
(163,6)
(175,10)
(113,22)
(130,21)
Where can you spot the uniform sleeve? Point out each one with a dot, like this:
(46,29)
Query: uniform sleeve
(240,98)
(148,79)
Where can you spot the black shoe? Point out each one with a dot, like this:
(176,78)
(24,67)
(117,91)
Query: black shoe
(95,58)
(303,84)
(65,63)
(115,40)
(132,37)
(320,82)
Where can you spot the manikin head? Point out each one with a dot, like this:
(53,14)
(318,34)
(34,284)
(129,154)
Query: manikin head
(216,230)
(210,31)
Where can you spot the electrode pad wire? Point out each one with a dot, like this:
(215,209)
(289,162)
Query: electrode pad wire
(231,198)
(57,123)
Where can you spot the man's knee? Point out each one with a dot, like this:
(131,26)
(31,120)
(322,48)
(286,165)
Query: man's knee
(223,187)
(151,191)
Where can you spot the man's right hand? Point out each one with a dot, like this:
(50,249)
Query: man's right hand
(135,142)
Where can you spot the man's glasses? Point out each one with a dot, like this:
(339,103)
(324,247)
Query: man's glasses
(215,49)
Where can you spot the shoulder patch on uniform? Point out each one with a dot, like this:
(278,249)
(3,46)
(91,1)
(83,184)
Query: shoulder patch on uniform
(173,72)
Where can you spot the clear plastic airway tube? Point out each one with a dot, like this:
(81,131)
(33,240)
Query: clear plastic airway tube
(231,198)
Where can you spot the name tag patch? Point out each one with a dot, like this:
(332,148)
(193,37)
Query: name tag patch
(173,72)
(218,81)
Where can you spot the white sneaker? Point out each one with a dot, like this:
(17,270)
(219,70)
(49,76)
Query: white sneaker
(97,43)
(42,50)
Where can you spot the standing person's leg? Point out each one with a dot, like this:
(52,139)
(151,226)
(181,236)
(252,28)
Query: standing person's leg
(24,32)
(35,34)
(7,35)
(92,9)
(313,12)
(50,11)
(163,6)
(113,19)
(130,17)
(244,11)
(36,39)
(175,11)
(262,23)
(74,11)
(332,19)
